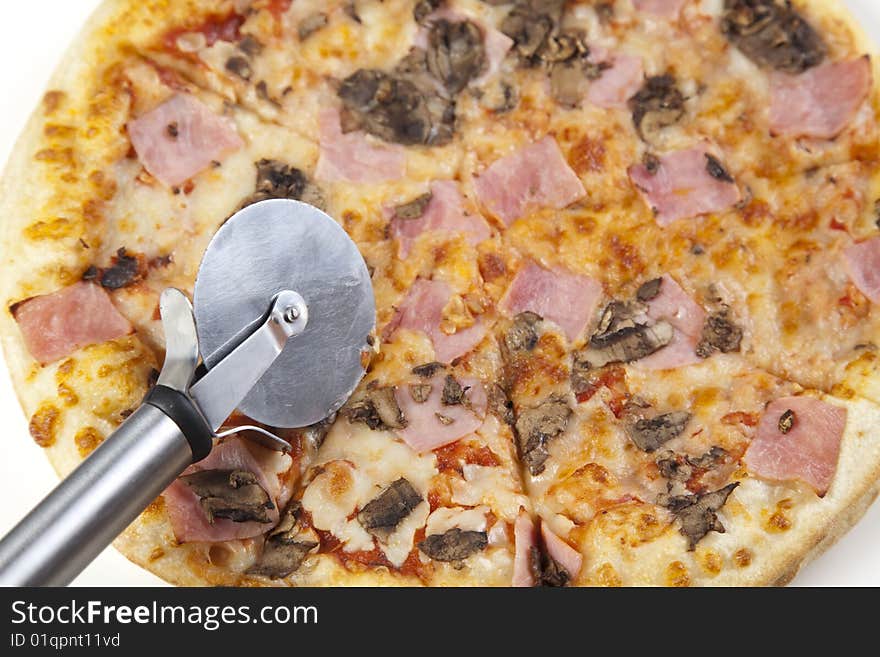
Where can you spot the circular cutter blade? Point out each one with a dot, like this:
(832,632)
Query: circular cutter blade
(277,245)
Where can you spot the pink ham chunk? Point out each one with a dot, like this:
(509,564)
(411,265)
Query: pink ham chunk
(681,186)
(431,423)
(422,310)
(189,520)
(180,138)
(820,102)
(618,83)
(673,305)
(569,300)
(561,552)
(535,176)
(354,156)
(863,265)
(662,8)
(808,451)
(446,212)
(55,325)
(525,539)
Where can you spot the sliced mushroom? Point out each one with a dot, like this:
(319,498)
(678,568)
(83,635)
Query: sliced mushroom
(391,108)
(425,8)
(240,66)
(231,494)
(658,104)
(428,370)
(531,23)
(454,545)
(719,334)
(413,209)
(678,467)
(625,345)
(772,34)
(286,546)
(378,409)
(500,405)
(124,270)
(523,333)
(546,571)
(383,514)
(453,392)
(650,433)
(276,179)
(455,53)
(537,426)
(311,24)
(698,513)
(649,290)
(420,392)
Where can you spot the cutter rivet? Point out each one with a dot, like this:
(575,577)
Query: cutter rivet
(291,314)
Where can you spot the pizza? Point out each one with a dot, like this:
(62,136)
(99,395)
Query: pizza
(626,262)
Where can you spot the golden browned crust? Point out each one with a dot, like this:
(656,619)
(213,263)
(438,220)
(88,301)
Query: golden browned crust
(39,235)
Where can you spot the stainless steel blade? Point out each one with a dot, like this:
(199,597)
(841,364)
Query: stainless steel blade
(266,248)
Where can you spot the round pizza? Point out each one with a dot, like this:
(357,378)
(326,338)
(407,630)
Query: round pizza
(625,254)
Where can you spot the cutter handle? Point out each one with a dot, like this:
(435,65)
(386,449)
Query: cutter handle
(96,502)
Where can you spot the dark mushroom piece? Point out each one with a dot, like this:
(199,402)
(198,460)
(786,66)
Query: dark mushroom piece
(719,334)
(311,24)
(650,433)
(523,333)
(455,53)
(658,104)
(537,426)
(772,34)
(240,66)
(425,8)
(124,270)
(428,370)
(454,545)
(413,209)
(393,108)
(286,547)
(276,179)
(698,513)
(378,409)
(231,494)
(453,393)
(500,405)
(546,571)
(625,345)
(383,514)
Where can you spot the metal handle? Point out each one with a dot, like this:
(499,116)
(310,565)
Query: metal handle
(96,502)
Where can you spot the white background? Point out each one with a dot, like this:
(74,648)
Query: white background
(33,38)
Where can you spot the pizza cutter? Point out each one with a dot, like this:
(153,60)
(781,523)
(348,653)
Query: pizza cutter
(281,318)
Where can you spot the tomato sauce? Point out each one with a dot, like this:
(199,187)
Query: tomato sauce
(453,457)
(215,28)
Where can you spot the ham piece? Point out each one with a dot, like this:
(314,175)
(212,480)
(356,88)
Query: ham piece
(424,430)
(618,83)
(180,138)
(566,299)
(354,156)
(685,184)
(808,451)
(422,310)
(525,538)
(561,552)
(535,176)
(662,8)
(445,212)
(55,325)
(188,519)
(863,265)
(672,304)
(820,102)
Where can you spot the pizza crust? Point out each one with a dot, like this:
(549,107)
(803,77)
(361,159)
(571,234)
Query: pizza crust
(26,192)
